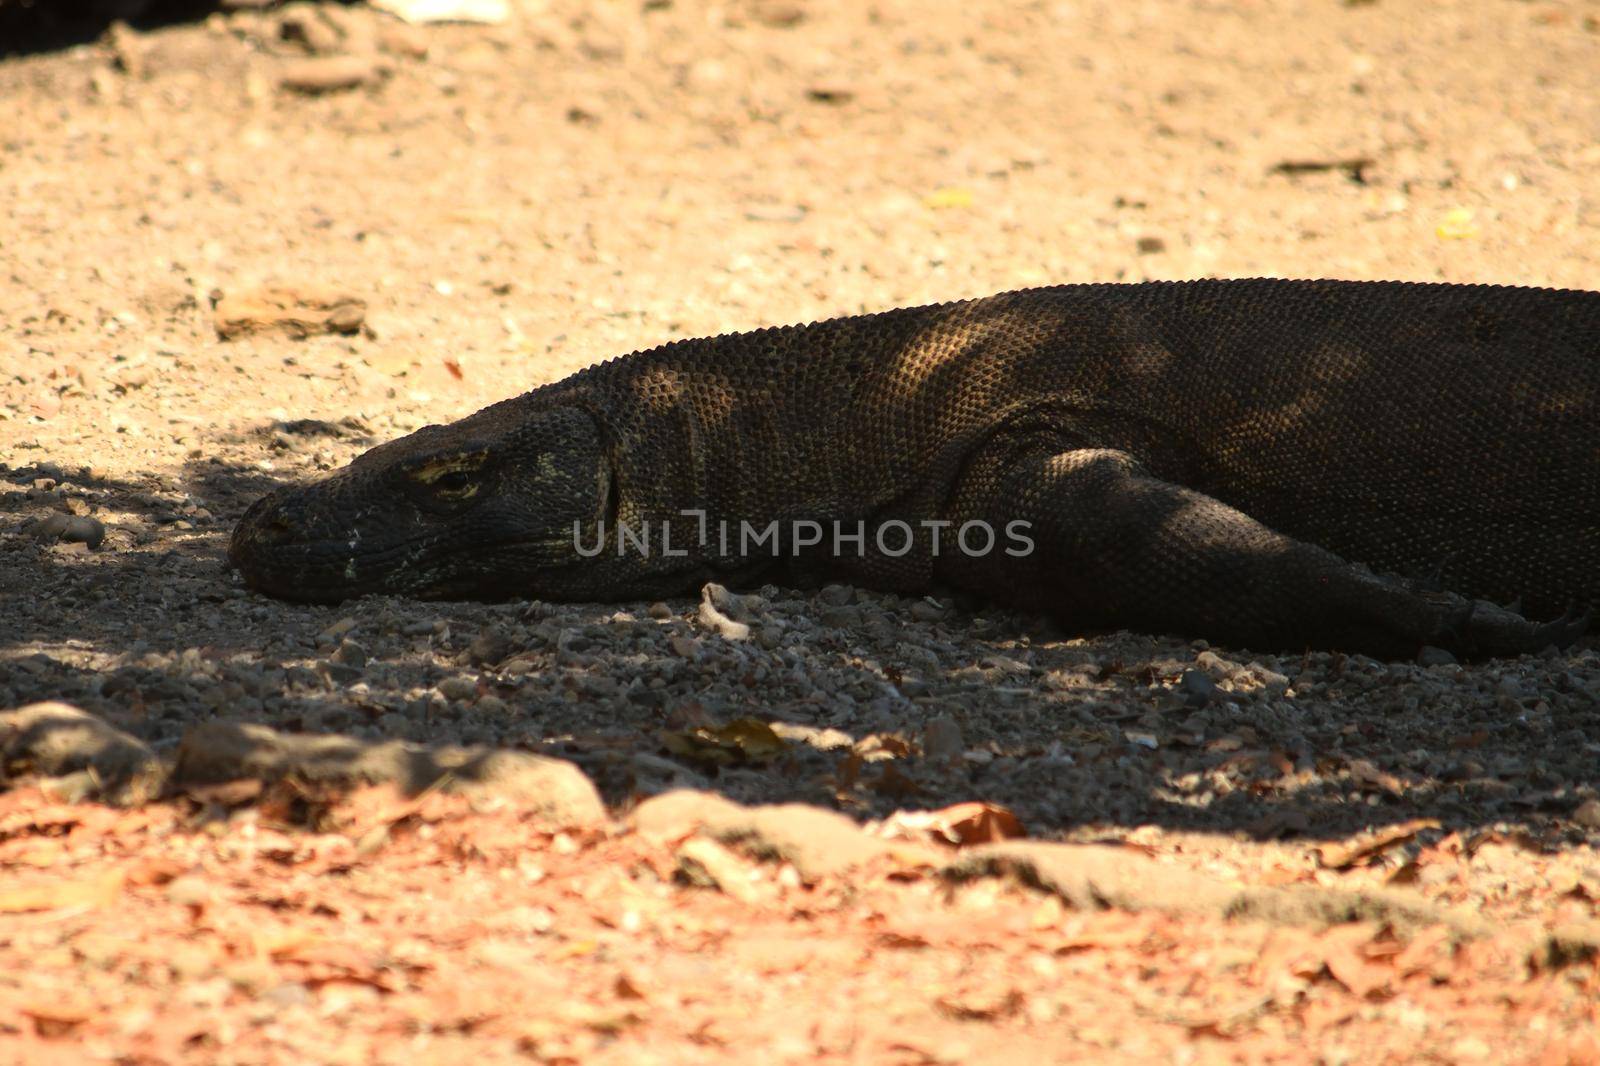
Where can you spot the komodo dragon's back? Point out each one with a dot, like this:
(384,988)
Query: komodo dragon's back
(1228,458)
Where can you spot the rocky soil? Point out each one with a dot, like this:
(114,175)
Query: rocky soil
(242,249)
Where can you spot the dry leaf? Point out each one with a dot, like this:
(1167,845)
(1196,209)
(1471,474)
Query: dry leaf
(948,196)
(960,825)
(1343,952)
(1340,856)
(1457,225)
(741,740)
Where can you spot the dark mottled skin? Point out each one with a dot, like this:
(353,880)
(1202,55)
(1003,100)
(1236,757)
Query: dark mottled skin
(1207,458)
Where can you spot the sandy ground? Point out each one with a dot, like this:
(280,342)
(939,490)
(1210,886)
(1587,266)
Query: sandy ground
(512,202)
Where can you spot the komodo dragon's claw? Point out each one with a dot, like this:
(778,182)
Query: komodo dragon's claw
(1564,630)
(1478,627)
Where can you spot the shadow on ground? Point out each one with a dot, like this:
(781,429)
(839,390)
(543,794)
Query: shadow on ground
(152,633)
(29,27)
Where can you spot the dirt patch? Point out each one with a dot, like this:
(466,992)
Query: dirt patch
(469,211)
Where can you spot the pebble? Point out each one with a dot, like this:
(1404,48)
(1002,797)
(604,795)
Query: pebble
(336,631)
(458,688)
(341,674)
(941,739)
(400,39)
(491,647)
(1431,656)
(80,529)
(837,595)
(321,74)
(1588,814)
(714,601)
(351,654)
(841,617)
(1198,687)
(305,26)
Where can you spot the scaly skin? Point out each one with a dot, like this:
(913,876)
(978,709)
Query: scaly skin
(1212,458)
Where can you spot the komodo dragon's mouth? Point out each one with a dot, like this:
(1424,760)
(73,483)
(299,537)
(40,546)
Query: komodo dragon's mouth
(280,557)
(275,556)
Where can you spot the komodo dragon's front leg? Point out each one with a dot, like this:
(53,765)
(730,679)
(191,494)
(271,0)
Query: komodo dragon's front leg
(1115,547)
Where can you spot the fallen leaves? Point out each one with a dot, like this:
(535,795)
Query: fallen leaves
(741,740)
(960,825)
(477,925)
(705,862)
(1337,856)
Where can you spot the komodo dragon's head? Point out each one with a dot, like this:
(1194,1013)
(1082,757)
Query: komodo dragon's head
(484,509)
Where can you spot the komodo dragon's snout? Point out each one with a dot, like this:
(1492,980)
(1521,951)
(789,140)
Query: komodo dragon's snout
(477,509)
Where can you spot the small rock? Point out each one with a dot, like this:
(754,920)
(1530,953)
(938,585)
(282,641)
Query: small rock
(80,529)
(1198,687)
(335,632)
(1431,656)
(831,94)
(841,617)
(837,595)
(942,739)
(297,311)
(323,74)
(225,751)
(714,599)
(351,654)
(303,25)
(341,673)
(1150,245)
(1588,814)
(458,688)
(662,774)
(57,739)
(600,686)
(1270,679)
(708,864)
(779,14)
(659,611)
(491,647)
(684,647)
(401,40)
(928,610)
(1219,668)
(49,528)
(84,530)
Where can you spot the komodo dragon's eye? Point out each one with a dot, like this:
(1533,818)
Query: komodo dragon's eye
(449,479)
(453,481)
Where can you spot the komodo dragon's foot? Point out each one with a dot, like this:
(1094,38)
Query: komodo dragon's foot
(1477,628)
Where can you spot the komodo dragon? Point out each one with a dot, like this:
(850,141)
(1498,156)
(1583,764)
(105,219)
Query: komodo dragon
(1248,461)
